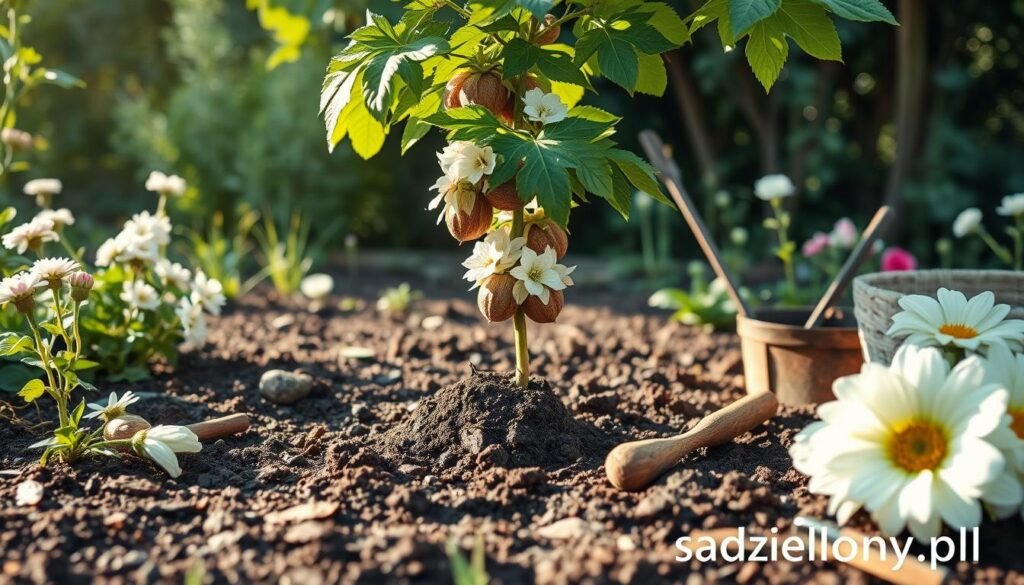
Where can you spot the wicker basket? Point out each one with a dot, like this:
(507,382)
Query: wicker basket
(876,297)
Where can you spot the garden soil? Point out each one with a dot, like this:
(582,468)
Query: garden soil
(389,458)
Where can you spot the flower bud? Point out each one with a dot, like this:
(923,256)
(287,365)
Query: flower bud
(495,298)
(124,427)
(505,197)
(545,232)
(472,225)
(538,312)
(81,284)
(16,139)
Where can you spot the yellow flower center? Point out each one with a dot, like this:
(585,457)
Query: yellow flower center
(958,331)
(918,446)
(1018,422)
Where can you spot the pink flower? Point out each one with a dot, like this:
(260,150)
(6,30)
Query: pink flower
(844,234)
(816,245)
(898,260)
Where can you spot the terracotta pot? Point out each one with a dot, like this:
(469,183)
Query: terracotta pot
(799,365)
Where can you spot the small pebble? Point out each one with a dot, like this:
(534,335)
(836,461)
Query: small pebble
(281,387)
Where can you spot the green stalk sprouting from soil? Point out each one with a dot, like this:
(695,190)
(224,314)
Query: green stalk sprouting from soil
(519,320)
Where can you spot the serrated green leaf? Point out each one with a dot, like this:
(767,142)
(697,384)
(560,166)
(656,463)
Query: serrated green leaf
(594,114)
(746,13)
(596,176)
(639,173)
(652,78)
(861,10)
(809,25)
(766,51)
(32,390)
(622,193)
(475,123)
(367,134)
(13,344)
(518,57)
(576,129)
(645,38)
(667,22)
(619,63)
(559,66)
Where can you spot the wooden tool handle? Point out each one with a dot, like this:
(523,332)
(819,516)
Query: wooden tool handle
(218,428)
(842,280)
(633,466)
(670,176)
(869,559)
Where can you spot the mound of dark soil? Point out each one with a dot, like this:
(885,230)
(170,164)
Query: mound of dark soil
(487,419)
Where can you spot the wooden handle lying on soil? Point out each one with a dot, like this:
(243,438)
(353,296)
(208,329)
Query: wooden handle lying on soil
(217,428)
(633,466)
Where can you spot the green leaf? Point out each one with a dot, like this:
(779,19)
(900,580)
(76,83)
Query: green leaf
(475,123)
(367,134)
(518,57)
(559,66)
(61,79)
(652,78)
(766,51)
(746,13)
(862,10)
(544,173)
(622,193)
(32,390)
(619,63)
(13,376)
(576,129)
(83,364)
(667,22)
(378,76)
(538,7)
(639,173)
(809,25)
(13,344)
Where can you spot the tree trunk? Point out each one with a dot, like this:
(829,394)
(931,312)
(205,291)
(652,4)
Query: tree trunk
(911,70)
(691,108)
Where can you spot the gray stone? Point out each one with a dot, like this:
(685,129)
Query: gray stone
(281,387)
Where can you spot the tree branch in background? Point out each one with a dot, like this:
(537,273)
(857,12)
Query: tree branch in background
(691,109)
(911,67)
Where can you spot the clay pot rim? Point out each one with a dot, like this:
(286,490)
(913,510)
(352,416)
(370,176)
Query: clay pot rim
(765,327)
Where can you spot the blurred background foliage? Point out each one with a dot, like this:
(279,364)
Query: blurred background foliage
(928,116)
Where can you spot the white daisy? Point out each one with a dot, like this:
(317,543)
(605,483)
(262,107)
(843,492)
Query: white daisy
(173,274)
(546,108)
(161,442)
(208,292)
(1006,370)
(952,320)
(193,321)
(61,218)
(19,289)
(140,295)
(536,275)
(114,407)
(170,185)
(30,236)
(132,249)
(145,226)
(1012,205)
(495,254)
(458,195)
(771,187)
(909,443)
(464,161)
(54,270)
(967,222)
(37,187)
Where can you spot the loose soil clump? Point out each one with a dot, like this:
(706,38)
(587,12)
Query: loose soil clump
(486,419)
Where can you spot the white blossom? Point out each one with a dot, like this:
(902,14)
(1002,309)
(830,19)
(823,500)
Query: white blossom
(464,161)
(54,270)
(546,108)
(37,187)
(193,321)
(61,218)
(30,235)
(1012,205)
(770,187)
(140,295)
(208,292)
(952,320)
(967,222)
(162,442)
(173,274)
(536,275)
(115,406)
(495,254)
(170,185)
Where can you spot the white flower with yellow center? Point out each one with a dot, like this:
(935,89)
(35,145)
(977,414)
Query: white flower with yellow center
(463,160)
(456,194)
(954,321)
(1012,205)
(546,108)
(115,406)
(162,442)
(537,275)
(911,444)
(61,218)
(968,222)
(1006,370)
(495,254)
(173,274)
(140,295)
(30,236)
(208,293)
(771,187)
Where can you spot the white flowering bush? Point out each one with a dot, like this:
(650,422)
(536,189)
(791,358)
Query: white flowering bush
(937,437)
(143,305)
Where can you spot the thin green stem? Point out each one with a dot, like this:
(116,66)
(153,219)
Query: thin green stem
(462,11)
(519,320)
(1000,251)
(44,355)
(77,349)
(784,253)
(59,310)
